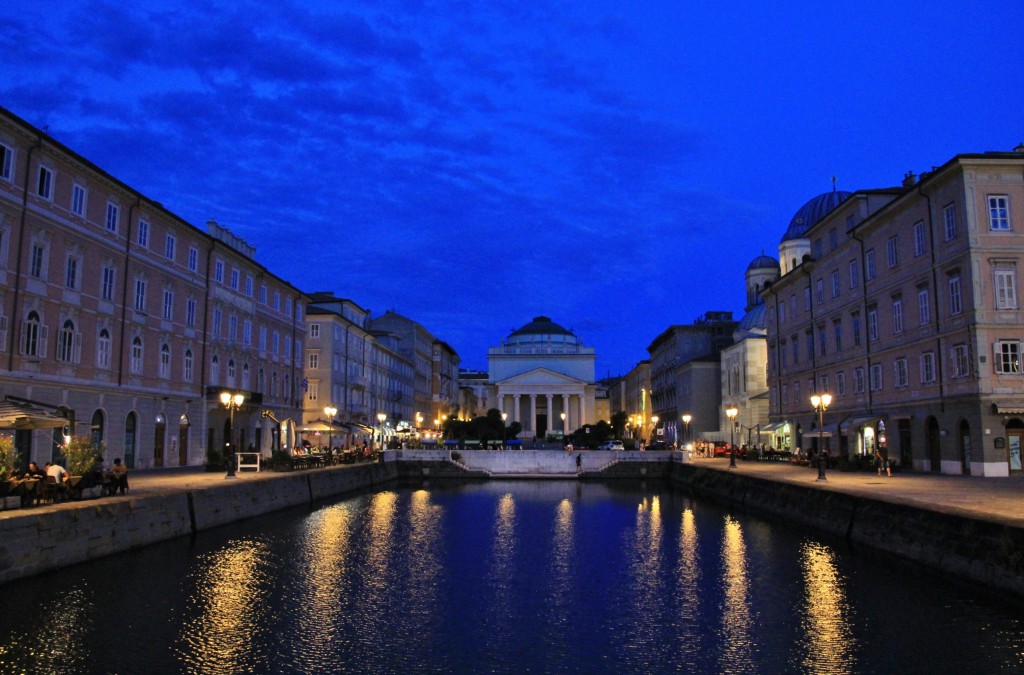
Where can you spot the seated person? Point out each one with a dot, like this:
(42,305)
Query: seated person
(34,472)
(58,472)
(120,473)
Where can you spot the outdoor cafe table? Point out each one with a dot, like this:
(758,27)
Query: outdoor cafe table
(26,488)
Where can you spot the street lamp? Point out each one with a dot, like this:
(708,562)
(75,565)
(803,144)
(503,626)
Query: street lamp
(562,415)
(330,411)
(232,402)
(686,428)
(654,428)
(821,403)
(380,418)
(731,413)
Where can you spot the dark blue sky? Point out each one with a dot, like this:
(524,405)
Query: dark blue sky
(612,165)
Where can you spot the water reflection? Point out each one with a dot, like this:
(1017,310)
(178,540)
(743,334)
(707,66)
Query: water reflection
(229,615)
(562,574)
(689,588)
(57,643)
(737,636)
(424,564)
(830,640)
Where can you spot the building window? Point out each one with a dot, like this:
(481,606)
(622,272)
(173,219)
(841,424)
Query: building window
(232,327)
(287,346)
(234,278)
(169,243)
(231,372)
(314,361)
(33,336)
(248,285)
(900,372)
(1007,356)
(897,315)
(288,306)
(961,364)
(892,251)
(809,343)
(837,334)
(314,330)
(876,377)
(949,221)
(956,305)
(71,273)
(135,362)
(807,299)
(314,391)
(275,343)
(69,343)
(113,216)
(37,262)
(869,264)
(193,259)
(822,339)
(263,339)
(168,308)
(190,313)
(858,380)
(103,349)
(924,312)
(218,271)
(855,326)
(920,243)
(216,321)
(783,355)
(143,237)
(263,295)
(854,274)
(165,361)
(782,313)
(927,367)
(188,366)
(6,162)
(840,383)
(215,370)
(1006,288)
(44,186)
(872,323)
(140,295)
(247,332)
(999,212)
(107,284)
(78,195)
(836,283)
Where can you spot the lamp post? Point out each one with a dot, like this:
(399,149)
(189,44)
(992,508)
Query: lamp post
(654,428)
(330,411)
(562,415)
(686,428)
(731,413)
(232,402)
(821,402)
(380,418)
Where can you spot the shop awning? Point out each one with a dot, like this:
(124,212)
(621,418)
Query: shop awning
(25,415)
(772,427)
(1008,408)
(854,423)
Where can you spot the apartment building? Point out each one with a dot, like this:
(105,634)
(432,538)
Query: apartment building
(130,321)
(903,304)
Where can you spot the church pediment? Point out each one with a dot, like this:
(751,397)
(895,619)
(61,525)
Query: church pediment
(540,376)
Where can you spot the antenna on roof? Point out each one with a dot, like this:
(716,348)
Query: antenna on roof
(833,183)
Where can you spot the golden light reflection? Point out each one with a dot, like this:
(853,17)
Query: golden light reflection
(52,645)
(220,636)
(325,555)
(383,507)
(737,638)
(424,557)
(830,643)
(689,570)
(503,559)
(564,547)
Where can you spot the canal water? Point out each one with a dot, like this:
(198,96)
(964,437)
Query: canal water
(506,577)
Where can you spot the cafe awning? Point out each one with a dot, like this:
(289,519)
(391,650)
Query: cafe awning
(24,415)
(319,425)
(1007,408)
(857,423)
(772,427)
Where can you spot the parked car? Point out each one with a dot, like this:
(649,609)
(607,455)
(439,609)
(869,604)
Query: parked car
(611,445)
(721,449)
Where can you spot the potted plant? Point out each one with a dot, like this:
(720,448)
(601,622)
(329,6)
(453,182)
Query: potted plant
(80,456)
(10,458)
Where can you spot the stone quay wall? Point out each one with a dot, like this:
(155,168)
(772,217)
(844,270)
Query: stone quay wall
(50,539)
(983,551)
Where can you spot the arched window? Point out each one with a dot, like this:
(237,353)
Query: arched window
(273,383)
(96,431)
(33,336)
(215,371)
(245,376)
(130,428)
(188,366)
(165,360)
(69,343)
(231,373)
(135,365)
(261,381)
(103,349)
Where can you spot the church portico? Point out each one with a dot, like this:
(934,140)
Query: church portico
(543,378)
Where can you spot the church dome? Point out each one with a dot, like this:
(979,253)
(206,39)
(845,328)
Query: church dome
(541,329)
(753,321)
(763,262)
(811,213)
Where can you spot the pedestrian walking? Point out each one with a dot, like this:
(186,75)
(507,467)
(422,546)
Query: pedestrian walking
(579,462)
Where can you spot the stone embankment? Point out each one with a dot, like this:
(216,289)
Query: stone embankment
(985,550)
(45,538)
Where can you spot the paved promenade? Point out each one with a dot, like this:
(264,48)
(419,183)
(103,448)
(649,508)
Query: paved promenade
(999,500)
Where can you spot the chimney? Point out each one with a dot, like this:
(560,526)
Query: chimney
(909,179)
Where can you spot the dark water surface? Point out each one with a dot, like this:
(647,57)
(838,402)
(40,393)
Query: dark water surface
(506,577)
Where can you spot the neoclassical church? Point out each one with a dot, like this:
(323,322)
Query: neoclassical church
(542,376)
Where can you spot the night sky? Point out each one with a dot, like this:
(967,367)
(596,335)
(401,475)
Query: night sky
(471,165)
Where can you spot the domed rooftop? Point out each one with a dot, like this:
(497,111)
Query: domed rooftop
(812,212)
(763,262)
(754,321)
(541,325)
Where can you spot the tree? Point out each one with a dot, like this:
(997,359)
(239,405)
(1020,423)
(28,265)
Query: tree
(619,420)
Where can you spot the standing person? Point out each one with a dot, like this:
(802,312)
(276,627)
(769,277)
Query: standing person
(579,462)
(120,472)
(882,460)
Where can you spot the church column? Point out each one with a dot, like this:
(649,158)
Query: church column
(568,413)
(532,426)
(551,412)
